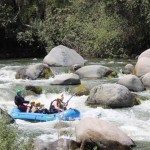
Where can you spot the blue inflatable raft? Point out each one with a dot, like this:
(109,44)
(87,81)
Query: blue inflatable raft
(69,114)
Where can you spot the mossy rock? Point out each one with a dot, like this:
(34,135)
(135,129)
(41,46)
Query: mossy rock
(83,92)
(137,101)
(125,71)
(33,72)
(34,89)
(141,97)
(111,74)
(45,74)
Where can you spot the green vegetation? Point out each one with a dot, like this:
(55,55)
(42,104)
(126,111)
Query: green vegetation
(112,28)
(10,138)
(137,101)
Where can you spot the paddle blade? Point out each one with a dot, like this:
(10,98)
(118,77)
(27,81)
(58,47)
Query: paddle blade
(79,88)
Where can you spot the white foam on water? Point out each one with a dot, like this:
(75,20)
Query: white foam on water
(133,121)
(138,133)
(128,120)
(7,75)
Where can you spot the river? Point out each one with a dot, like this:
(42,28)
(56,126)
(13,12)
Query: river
(133,121)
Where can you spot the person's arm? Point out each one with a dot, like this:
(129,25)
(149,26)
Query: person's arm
(27,102)
(64,105)
(24,101)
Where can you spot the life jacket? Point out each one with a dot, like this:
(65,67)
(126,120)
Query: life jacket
(52,108)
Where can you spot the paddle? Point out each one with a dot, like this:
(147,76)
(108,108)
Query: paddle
(77,89)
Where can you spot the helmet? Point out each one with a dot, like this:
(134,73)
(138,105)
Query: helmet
(18,91)
(32,102)
(37,103)
(60,97)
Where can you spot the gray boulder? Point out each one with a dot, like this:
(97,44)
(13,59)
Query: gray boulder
(146,80)
(128,69)
(143,64)
(110,95)
(94,133)
(132,82)
(63,56)
(33,72)
(66,79)
(94,71)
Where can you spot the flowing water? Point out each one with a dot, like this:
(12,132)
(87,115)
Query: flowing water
(133,121)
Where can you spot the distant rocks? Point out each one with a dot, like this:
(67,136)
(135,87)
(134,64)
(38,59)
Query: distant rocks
(63,56)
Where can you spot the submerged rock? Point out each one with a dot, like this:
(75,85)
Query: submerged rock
(66,79)
(60,144)
(34,89)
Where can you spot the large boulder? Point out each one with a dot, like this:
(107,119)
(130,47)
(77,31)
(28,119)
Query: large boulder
(93,133)
(33,72)
(94,71)
(132,82)
(110,95)
(143,64)
(63,56)
(66,79)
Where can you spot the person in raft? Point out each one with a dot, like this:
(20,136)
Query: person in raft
(20,101)
(37,107)
(57,105)
(32,105)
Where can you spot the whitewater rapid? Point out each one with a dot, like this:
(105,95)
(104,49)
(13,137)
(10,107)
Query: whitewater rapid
(133,121)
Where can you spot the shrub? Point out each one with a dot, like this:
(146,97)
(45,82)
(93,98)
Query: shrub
(12,139)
